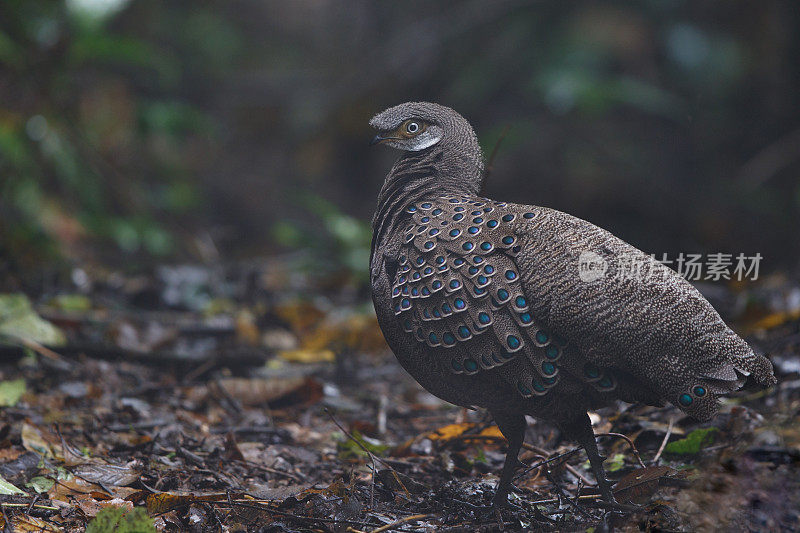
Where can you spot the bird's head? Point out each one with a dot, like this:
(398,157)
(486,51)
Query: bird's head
(417,126)
(412,126)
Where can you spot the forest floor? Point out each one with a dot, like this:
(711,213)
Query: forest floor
(252,397)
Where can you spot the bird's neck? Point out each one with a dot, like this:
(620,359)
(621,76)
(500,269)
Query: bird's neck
(446,168)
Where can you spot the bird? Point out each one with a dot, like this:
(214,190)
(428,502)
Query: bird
(528,311)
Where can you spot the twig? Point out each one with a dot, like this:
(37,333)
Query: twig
(630,443)
(546,461)
(37,506)
(663,442)
(393,524)
(372,457)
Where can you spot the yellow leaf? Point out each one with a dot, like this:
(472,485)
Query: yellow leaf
(308,356)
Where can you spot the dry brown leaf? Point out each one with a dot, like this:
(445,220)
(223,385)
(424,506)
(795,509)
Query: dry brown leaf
(638,486)
(91,506)
(27,523)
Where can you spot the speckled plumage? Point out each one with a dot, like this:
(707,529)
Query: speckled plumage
(483,303)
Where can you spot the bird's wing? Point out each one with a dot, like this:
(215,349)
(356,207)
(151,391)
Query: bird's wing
(625,310)
(458,290)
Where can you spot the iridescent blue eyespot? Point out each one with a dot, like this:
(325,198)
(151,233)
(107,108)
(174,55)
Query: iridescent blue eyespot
(550,380)
(605,382)
(477,220)
(459,303)
(699,391)
(396,291)
(523,389)
(458,216)
(526,318)
(454,284)
(439,260)
(538,387)
(414,292)
(488,269)
(513,342)
(434,231)
(508,218)
(463,332)
(486,246)
(436,313)
(425,219)
(436,284)
(446,308)
(484,318)
(482,280)
(502,294)
(433,337)
(488,209)
(685,400)
(459,208)
(470,365)
(412,209)
(528,215)
(473,230)
(476,213)
(455,201)
(420,260)
(436,212)
(542,337)
(551,352)
(511,275)
(407,325)
(458,261)
(428,271)
(426,205)
(402,259)
(548,368)
(429,245)
(520,301)
(402,280)
(405,302)
(467,246)
(455,232)
(472,270)
(477,259)
(508,239)
(479,291)
(591,370)
(492,223)
(448,338)
(456,365)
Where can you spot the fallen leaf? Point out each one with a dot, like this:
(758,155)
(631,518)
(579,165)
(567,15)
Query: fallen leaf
(638,486)
(308,356)
(693,442)
(7,489)
(11,392)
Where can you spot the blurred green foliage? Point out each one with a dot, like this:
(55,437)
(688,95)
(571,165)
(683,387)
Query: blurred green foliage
(130,127)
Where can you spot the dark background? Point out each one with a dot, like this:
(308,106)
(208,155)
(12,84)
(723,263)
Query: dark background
(136,132)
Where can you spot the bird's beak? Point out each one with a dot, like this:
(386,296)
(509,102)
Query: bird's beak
(377,140)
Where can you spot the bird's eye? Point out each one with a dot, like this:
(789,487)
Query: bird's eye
(412,127)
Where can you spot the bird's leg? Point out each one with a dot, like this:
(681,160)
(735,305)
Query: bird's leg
(513,428)
(580,430)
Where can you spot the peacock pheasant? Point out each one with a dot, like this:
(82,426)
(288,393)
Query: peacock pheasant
(526,310)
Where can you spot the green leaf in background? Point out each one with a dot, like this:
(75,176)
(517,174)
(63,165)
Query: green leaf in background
(693,442)
(615,463)
(18,320)
(11,392)
(7,489)
(40,484)
(120,520)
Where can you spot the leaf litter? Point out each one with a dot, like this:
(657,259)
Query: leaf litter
(241,403)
